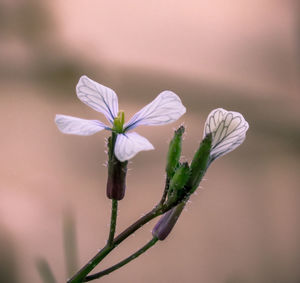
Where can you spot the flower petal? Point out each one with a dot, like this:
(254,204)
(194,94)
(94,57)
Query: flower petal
(98,97)
(77,126)
(228,130)
(129,144)
(164,109)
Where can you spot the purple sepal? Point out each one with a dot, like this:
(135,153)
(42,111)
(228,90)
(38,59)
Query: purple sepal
(116,181)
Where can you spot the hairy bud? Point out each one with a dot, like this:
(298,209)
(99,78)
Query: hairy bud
(200,163)
(174,152)
(176,188)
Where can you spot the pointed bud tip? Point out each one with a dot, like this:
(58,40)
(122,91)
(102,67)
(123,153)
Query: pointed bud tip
(180,130)
(185,164)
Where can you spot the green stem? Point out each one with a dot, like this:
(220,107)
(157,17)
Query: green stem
(138,224)
(86,269)
(123,262)
(113,222)
(165,193)
(82,273)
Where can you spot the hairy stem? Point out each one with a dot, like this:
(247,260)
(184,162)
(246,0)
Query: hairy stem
(135,226)
(86,269)
(113,222)
(150,244)
(165,193)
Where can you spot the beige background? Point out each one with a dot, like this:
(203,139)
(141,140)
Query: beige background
(243,223)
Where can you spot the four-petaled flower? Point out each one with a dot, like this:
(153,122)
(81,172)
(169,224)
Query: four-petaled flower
(228,129)
(164,109)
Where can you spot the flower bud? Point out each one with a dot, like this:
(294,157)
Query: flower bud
(116,181)
(174,152)
(176,188)
(166,223)
(199,164)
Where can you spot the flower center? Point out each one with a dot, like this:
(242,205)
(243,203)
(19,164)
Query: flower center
(119,122)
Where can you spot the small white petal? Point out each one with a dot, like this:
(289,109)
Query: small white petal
(164,109)
(228,130)
(98,97)
(129,144)
(77,126)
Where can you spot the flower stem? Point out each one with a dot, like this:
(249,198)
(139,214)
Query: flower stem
(113,222)
(87,268)
(165,193)
(136,225)
(150,244)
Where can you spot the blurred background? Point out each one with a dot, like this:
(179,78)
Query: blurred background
(242,226)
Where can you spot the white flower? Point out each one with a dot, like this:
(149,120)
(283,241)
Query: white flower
(165,108)
(228,129)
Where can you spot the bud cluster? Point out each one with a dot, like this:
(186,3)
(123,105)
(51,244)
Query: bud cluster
(223,132)
(183,180)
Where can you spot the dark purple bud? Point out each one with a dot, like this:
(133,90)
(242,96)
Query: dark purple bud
(166,223)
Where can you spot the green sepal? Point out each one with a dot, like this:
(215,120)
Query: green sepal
(177,189)
(199,164)
(174,152)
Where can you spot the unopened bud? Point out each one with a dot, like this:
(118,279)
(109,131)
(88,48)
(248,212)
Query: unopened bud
(177,183)
(116,181)
(199,164)
(174,152)
(166,223)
